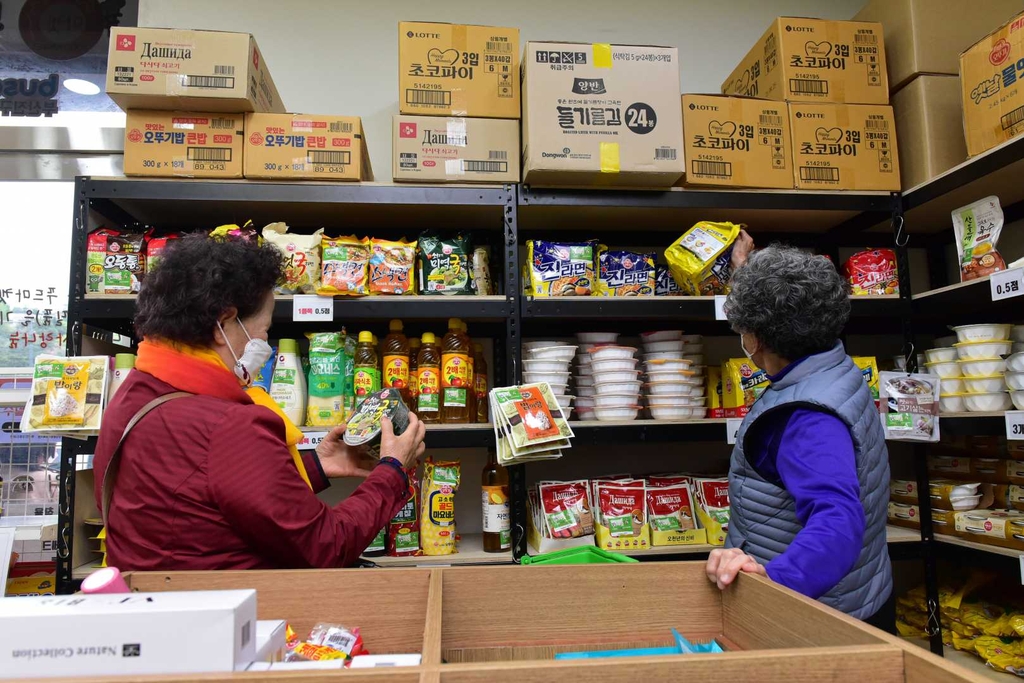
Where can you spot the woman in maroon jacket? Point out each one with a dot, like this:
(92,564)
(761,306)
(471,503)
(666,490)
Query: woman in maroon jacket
(212,479)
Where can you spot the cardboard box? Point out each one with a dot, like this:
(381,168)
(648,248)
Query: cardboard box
(305,147)
(920,37)
(440,149)
(106,634)
(844,147)
(601,114)
(166,68)
(174,143)
(814,60)
(929,126)
(457,70)
(990,80)
(736,142)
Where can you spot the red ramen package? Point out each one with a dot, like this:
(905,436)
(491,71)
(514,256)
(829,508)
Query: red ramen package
(155,247)
(345,262)
(976,228)
(561,268)
(664,283)
(566,509)
(872,273)
(623,516)
(625,273)
(391,267)
(910,406)
(404,527)
(115,262)
(300,255)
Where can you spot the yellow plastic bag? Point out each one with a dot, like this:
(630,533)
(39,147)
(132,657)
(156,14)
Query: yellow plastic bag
(700,260)
(1002,654)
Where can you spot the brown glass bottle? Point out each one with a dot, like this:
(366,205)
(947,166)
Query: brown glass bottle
(456,379)
(395,357)
(366,366)
(428,402)
(494,499)
(480,384)
(414,377)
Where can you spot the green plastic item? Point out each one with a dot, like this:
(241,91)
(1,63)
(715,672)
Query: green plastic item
(586,554)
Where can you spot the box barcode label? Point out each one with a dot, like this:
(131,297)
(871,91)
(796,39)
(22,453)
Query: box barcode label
(1012,119)
(770,120)
(498,47)
(804,86)
(432,98)
(224,69)
(227,82)
(470,166)
(817,174)
(497,154)
(342,158)
(865,38)
(209,154)
(664,153)
(875,124)
(340,127)
(226,124)
(716,169)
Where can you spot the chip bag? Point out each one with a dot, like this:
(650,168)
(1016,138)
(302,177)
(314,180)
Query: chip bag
(701,260)
(345,261)
(976,228)
(115,262)
(391,267)
(445,264)
(561,268)
(301,257)
(325,407)
(625,273)
(566,509)
(437,517)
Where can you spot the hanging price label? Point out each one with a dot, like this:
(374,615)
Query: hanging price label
(1015,425)
(307,308)
(720,307)
(310,440)
(1007,284)
(732,428)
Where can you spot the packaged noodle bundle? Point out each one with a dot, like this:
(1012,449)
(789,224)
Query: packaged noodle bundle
(445,265)
(345,261)
(664,283)
(437,518)
(115,262)
(325,407)
(155,247)
(701,260)
(976,228)
(301,256)
(67,394)
(561,268)
(742,384)
(625,273)
(623,523)
(404,527)
(391,267)
(872,273)
(712,496)
(566,509)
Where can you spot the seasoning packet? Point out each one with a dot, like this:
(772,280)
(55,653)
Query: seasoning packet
(623,523)
(345,262)
(701,260)
(482,271)
(301,257)
(872,273)
(437,517)
(670,511)
(910,406)
(712,500)
(566,509)
(561,268)
(625,273)
(324,408)
(976,228)
(444,264)
(404,527)
(391,267)
(155,247)
(67,394)
(527,410)
(115,262)
(664,283)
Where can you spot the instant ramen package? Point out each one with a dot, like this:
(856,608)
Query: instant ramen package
(976,228)
(345,266)
(391,267)
(701,260)
(301,256)
(325,407)
(624,273)
(561,268)
(445,264)
(115,262)
(67,394)
(872,273)
(664,283)
(155,247)
(910,406)
(437,518)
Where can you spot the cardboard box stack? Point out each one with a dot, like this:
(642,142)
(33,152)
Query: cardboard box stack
(458,104)
(833,76)
(990,80)
(923,46)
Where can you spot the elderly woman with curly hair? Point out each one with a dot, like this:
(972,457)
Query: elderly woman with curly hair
(808,480)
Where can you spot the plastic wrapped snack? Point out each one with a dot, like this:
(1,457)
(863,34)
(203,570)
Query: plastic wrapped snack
(910,406)
(625,273)
(482,271)
(155,247)
(391,267)
(976,228)
(115,262)
(345,266)
(437,519)
(561,268)
(67,394)
(325,406)
(701,260)
(664,283)
(872,273)
(301,256)
(444,264)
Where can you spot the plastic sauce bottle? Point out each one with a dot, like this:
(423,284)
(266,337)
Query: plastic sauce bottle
(288,387)
(456,378)
(366,367)
(496,521)
(428,399)
(470,392)
(123,364)
(480,384)
(396,360)
(414,377)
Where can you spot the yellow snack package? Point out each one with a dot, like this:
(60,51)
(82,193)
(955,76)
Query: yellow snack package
(742,384)
(437,517)
(561,268)
(869,368)
(700,260)
(1002,654)
(345,266)
(908,631)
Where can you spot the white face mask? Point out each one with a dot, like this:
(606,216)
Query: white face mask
(256,353)
(748,354)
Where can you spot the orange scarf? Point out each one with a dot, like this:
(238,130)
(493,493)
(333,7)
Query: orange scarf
(202,371)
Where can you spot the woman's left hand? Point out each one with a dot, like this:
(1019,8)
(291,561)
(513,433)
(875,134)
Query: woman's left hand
(724,565)
(341,460)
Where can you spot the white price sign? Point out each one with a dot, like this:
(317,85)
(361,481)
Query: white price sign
(309,308)
(1007,284)
(732,428)
(720,307)
(310,440)
(1015,425)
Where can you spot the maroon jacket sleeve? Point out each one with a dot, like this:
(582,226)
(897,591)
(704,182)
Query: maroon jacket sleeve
(315,471)
(256,486)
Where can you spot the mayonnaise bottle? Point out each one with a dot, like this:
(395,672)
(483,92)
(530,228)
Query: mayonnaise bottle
(288,387)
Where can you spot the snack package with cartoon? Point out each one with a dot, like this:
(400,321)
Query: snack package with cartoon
(671,515)
(713,510)
(625,273)
(561,268)
(701,260)
(566,509)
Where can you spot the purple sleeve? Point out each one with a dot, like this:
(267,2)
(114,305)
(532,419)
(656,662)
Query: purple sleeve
(816,464)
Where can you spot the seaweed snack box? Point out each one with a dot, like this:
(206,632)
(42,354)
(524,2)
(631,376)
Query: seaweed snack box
(814,60)
(601,114)
(306,147)
(458,70)
(990,79)
(174,143)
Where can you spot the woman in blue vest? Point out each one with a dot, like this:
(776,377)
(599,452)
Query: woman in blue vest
(808,480)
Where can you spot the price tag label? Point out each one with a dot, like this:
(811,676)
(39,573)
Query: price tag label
(1007,284)
(310,308)
(732,428)
(1015,425)
(720,307)
(310,440)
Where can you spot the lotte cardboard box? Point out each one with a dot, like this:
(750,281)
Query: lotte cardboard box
(305,147)
(927,36)
(844,147)
(457,150)
(191,145)
(814,60)
(929,125)
(990,78)
(736,142)
(458,70)
(166,68)
(601,114)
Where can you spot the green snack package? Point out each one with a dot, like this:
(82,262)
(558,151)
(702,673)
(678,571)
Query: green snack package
(445,264)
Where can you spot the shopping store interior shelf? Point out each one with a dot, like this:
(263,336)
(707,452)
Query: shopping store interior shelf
(960,303)
(471,551)
(981,547)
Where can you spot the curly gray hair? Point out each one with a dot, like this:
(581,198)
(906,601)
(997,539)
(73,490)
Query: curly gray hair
(794,303)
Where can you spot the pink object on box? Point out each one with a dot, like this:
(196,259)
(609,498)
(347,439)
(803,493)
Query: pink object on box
(106,580)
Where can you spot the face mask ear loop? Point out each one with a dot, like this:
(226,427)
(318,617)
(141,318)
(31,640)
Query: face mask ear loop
(244,331)
(230,348)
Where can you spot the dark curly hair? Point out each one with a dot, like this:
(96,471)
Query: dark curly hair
(197,279)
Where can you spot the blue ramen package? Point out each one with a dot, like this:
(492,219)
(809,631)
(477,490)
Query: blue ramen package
(561,268)
(664,283)
(625,273)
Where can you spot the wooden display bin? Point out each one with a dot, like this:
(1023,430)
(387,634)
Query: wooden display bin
(497,624)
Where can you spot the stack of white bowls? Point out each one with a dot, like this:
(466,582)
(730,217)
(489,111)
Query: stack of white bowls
(673,390)
(1015,378)
(586,391)
(979,366)
(548,361)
